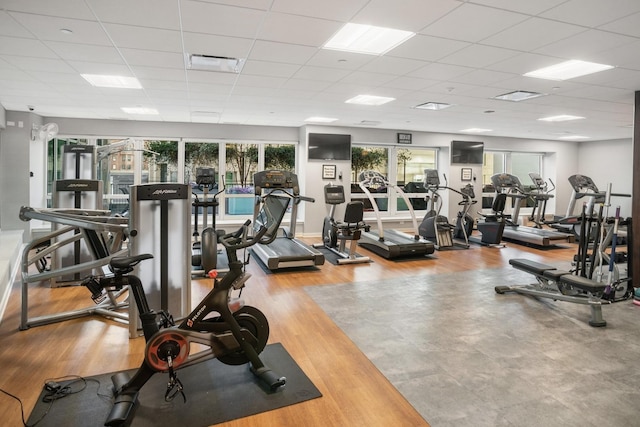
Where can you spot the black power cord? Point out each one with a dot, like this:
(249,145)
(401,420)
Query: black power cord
(55,391)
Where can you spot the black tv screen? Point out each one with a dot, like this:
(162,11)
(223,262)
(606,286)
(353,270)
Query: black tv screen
(467,152)
(329,146)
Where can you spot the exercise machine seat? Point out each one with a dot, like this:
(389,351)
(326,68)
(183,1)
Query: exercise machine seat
(353,216)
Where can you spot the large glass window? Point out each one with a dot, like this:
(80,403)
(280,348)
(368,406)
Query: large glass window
(411,164)
(370,158)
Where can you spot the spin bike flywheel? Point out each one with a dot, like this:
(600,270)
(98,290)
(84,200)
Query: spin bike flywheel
(251,319)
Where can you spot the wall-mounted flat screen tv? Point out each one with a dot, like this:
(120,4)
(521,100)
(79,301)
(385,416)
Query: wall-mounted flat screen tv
(467,152)
(329,146)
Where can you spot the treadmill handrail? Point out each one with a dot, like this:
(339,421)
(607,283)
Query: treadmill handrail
(398,191)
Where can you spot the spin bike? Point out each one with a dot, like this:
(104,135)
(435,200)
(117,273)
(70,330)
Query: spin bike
(234,333)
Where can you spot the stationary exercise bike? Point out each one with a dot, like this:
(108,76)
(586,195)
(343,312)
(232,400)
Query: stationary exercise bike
(232,332)
(335,234)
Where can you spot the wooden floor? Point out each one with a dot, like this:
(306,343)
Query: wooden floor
(354,392)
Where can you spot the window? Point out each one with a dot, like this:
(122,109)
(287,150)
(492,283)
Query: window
(514,163)
(364,158)
(411,164)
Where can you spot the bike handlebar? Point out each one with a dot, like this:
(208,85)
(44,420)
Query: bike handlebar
(240,238)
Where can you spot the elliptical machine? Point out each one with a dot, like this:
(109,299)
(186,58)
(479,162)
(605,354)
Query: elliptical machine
(349,229)
(436,227)
(204,256)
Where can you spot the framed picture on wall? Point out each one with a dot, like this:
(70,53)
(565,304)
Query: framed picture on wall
(466,174)
(328,171)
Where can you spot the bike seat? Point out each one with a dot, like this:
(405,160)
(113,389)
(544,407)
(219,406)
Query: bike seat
(125,262)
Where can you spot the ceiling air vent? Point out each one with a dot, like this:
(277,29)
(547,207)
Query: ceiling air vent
(220,64)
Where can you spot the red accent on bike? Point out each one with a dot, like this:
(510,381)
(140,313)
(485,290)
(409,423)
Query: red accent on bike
(213,274)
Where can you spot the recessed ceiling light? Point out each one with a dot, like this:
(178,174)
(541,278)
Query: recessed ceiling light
(560,118)
(120,82)
(367,39)
(476,130)
(573,137)
(320,119)
(433,106)
(518,95)
(369,100)
(140,110)
(220,64)
(568,70)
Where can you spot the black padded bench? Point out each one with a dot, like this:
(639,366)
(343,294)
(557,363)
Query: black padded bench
(548,275)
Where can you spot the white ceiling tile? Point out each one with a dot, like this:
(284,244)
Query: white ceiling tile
(337,59)
(440,71)
(100,68)
(208,18)
(153,58)
(10,27)
(336,10)
(392,65)
(427,48)
(323,74)
(480,22)
(271,69)
(586,46)
(128,36)
(24,47)
(34,64)
(282,52)
(260,81)
(592,13)
(533,34)
(367,78)
(478,56)
(280,27)
(48,28)
(211,77)
(523,63)
(483,77)
(408,15)
(207,44)
(411,83)
(523,6)
(627,25)
(171,74)
(146,13)
(77,9)
(85,52)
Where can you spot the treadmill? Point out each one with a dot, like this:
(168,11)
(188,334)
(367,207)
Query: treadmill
(285,251)
(391,244)
(511,186)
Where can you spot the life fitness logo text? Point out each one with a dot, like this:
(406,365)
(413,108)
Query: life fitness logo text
(195,316)
(158,192)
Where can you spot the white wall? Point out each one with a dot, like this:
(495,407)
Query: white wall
(609,162)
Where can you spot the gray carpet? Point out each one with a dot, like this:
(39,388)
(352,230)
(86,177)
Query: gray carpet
(466,356)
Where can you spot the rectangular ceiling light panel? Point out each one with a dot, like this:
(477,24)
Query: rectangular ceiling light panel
(367,39)
(369,100)
(119,82)
(560,118)
(320,119)
(568,70)
(140,110)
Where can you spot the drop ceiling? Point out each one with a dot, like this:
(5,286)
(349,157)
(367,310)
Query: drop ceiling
(464,54)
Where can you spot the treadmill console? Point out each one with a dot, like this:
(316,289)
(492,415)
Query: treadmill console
(431,178)
(270,179)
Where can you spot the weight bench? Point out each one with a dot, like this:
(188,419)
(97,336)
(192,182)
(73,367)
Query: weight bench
(560,285)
